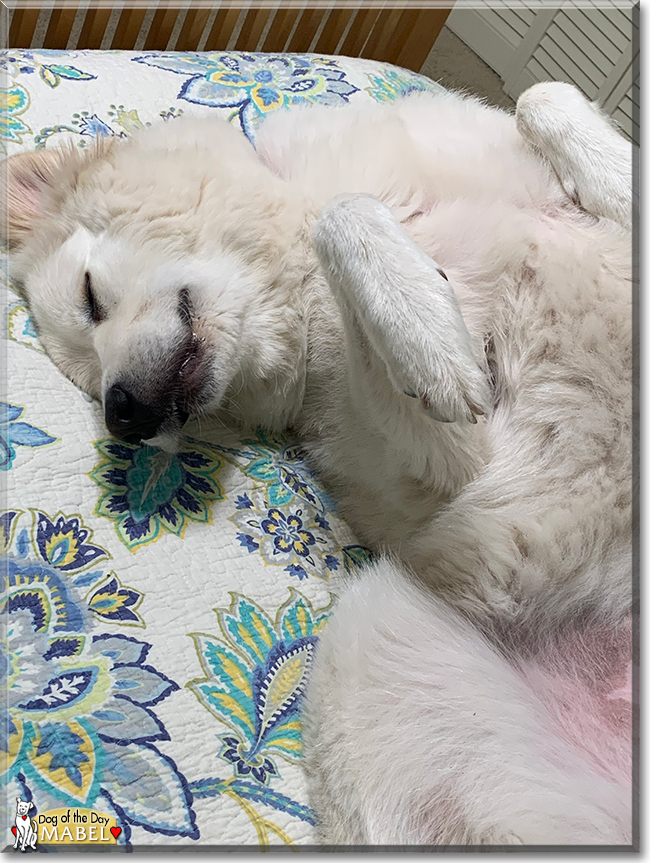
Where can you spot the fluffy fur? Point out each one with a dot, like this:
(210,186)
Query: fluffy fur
(416,291)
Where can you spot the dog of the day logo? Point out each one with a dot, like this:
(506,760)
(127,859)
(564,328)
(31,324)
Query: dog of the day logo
(62,827)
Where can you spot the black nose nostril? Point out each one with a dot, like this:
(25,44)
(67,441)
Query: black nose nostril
(122,403)
(130,419)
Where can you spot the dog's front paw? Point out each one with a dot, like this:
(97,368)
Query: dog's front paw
(450,394)
(460,409)
(405,305)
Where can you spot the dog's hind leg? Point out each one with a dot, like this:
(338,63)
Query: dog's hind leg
(418,732)
(592,160)
(405,306)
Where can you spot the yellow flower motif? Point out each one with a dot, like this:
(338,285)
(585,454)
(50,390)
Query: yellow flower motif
(13,101)
(10,100)
(62,548)
(128,120)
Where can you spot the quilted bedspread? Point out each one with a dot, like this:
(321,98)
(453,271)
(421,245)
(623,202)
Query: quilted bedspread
(159,612)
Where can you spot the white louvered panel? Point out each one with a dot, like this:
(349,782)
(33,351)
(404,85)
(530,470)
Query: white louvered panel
(614,15)
(538,72)
(515,21)
(495,34)
(558,67)
(623,116)
(584,46)
(522,18)
(575,61)
(582,31)
(622,20)
(505,23)
(570,41)
(626,106)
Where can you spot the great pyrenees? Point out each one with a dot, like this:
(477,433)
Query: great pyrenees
(437,297)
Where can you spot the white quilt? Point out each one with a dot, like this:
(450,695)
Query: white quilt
(159,613)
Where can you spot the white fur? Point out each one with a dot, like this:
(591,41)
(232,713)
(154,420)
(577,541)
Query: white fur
(450,336)
(442,740)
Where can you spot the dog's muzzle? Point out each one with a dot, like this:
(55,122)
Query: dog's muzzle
(133,421)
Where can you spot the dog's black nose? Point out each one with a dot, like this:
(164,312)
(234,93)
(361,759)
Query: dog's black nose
(130,419)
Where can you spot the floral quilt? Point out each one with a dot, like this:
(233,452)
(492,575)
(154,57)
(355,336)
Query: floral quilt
(160,613)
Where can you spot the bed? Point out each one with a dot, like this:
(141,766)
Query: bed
(160,612)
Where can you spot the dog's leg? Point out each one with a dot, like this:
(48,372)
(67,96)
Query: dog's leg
(405,306)
(591,159)
(417,732)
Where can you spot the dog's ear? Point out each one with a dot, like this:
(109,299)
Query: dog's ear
(25,183)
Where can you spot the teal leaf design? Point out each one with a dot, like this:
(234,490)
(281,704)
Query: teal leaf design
(250,630)
(213,787)
(255,681)
(147,491)
(227,693)
(70,72)
(272,798)
(298,622)
(52,74)
(40,140)
(13,101)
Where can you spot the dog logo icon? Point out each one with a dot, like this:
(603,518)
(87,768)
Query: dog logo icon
(24,828)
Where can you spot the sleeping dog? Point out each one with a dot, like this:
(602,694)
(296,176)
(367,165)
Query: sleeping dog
(436,296)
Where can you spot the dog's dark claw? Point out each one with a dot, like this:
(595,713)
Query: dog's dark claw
(475,409)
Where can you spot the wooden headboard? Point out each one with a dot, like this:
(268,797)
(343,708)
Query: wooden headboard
(396,33)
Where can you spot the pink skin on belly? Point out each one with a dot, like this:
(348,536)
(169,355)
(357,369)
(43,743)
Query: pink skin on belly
(585,683)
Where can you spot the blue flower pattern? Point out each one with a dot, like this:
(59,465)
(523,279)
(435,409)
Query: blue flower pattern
(255,678)
(14,432)
(79,727)
(252,85)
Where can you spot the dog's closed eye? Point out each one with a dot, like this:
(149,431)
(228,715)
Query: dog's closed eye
(93,308)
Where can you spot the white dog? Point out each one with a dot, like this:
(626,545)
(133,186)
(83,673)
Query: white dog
(437,297)
(25,828)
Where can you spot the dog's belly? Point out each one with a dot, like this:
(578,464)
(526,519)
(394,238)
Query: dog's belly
(585,683)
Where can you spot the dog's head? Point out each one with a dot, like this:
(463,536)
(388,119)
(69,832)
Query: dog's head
(148,266)
(23,806)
